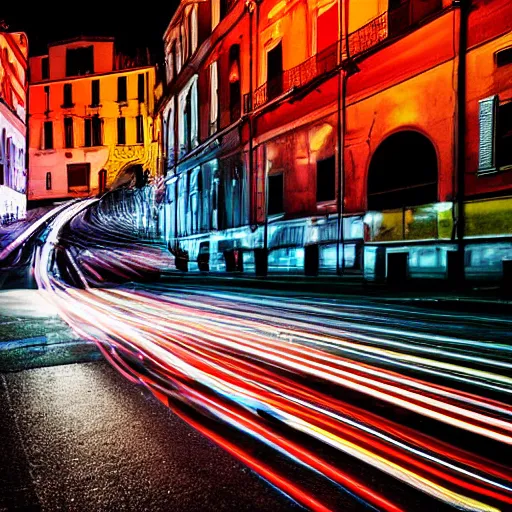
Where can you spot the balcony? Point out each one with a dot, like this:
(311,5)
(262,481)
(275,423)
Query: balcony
(403,17)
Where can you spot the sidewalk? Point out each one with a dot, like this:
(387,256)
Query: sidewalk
(428,293)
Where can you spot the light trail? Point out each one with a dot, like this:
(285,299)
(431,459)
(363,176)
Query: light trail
(337,374)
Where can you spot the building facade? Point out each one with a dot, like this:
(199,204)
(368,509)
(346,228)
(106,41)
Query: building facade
(340,136)
(13,114)
(91,119)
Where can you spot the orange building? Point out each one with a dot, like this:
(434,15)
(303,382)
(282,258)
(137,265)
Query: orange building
(340,136)
(13,106)
(91,119)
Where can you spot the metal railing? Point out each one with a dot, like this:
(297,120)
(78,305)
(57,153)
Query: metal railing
(388,24)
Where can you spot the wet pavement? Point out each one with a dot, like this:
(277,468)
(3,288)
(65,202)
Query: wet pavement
(81,437)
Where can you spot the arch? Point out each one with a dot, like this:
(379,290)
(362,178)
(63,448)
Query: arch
(403,172)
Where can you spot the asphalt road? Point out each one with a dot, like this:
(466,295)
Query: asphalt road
(81,437)
(341,402)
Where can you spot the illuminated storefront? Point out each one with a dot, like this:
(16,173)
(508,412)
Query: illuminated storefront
(13,98)
(91,119)
(322,136)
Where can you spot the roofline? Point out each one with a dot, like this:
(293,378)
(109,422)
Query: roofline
(90,77)
(83,38)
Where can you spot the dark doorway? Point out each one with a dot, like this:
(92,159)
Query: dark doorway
(403,172)
(275,72)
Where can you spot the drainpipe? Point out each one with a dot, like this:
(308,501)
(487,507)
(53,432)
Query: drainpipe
(464,6)
(342,97)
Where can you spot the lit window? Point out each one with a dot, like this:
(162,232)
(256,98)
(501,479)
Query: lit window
(215,13)
(214,97)
(193,27)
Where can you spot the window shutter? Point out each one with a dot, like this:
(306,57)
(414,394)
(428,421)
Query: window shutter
(487,120)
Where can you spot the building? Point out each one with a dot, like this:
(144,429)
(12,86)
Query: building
(91,119)
(340,137)
(13,106)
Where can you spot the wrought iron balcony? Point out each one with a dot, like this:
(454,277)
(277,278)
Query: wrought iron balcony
(320,64)
(398,20)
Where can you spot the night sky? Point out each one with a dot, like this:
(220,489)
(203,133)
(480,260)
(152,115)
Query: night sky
(45,22)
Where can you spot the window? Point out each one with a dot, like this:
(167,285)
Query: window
(223,8)
(504,57)
(326,180)
(187,121)
(140,129)
(275,72)
(48,135)
(68,96)
(504,135)
(47,98)
(141,88)
(97,136)
(121,130)
(87,132)
(78,177)
(48,181)
(68,132)
(215,13)
(275,194)
(79,61)
(122,94)
(193,27)
(45,70)
(95,93)
(102,181)
(214,97)
(235,93)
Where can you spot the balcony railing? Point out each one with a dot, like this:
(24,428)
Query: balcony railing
(387,25)
(320,64)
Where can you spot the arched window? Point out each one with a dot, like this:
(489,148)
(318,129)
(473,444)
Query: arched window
(403,172)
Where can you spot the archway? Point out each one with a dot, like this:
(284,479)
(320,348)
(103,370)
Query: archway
(403,172)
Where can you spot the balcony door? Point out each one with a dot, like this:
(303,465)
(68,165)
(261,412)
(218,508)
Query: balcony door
(275,71)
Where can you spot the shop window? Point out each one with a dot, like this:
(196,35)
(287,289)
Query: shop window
(275,194)
(141,88)
(45,69)
(504,57)
(121,130)
(68,132)
(48,135)
(68,96)
(122,92)
(78,177)
(79,61)
(95,93)
(48,181)
(326,179)
(140,129)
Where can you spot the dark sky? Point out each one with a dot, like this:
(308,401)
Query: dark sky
(134,23)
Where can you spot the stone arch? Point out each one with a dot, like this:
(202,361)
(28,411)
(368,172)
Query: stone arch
(403,172)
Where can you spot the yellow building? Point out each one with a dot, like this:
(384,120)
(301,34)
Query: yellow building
(90,119)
